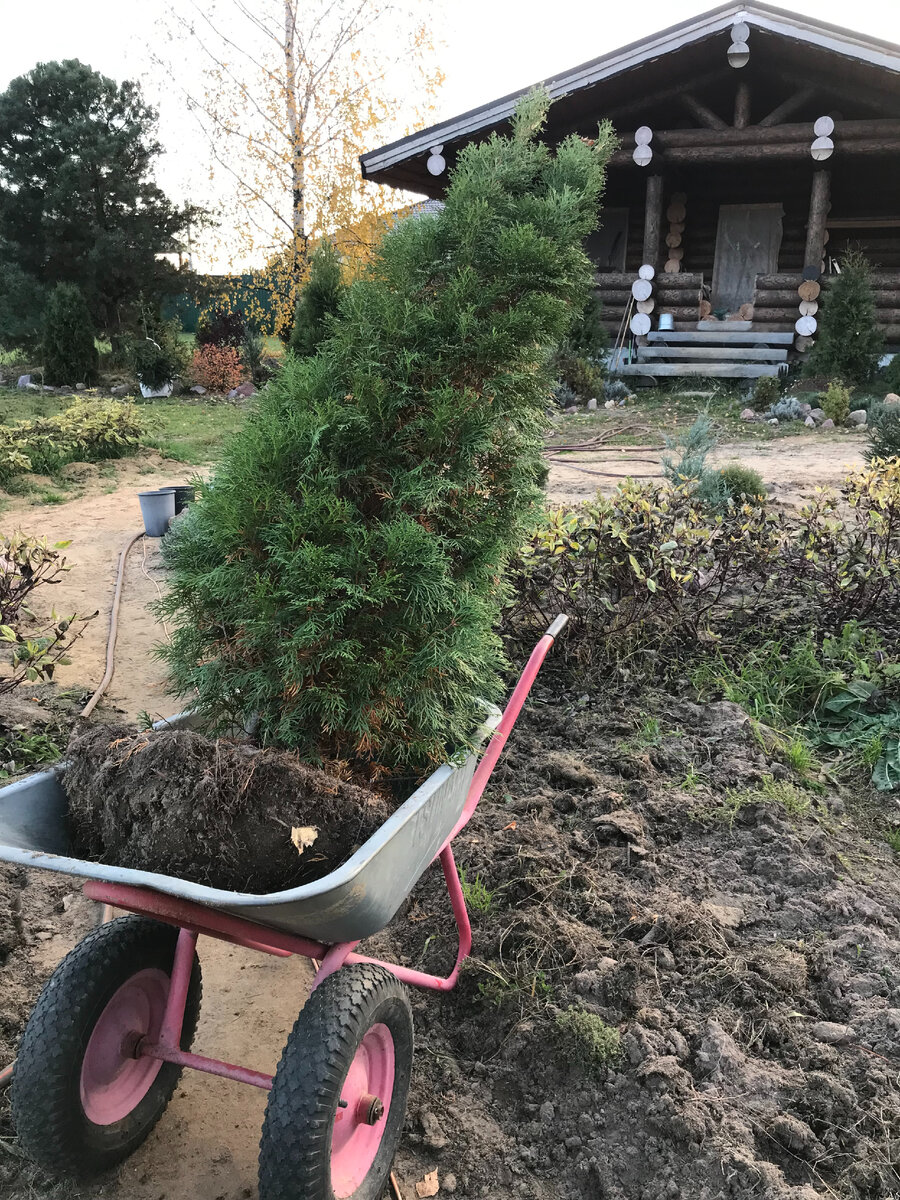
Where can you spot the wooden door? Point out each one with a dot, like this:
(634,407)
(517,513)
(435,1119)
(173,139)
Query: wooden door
(747,245)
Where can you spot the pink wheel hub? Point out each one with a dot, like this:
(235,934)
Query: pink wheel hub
(362,1114)
(113,1080)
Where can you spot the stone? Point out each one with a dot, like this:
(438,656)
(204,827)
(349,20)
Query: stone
(80,387)
(818,415)
(573,408)
(24,381)
(448,1183)
(197,390)
(809,423)
(242,391)
(624,822)
(891,398)
(773,421)
(432,1134)
(832,1033)
(827,424)
(547,1113)
(806,409)
(749,415)
(592,404)
(729,916)
(857,417)
(121,389)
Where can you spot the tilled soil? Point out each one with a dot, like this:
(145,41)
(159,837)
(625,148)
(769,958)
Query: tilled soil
(740,933)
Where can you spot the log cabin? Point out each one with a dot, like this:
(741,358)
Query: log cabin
(756,146)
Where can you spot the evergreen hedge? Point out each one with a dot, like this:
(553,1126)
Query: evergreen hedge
(70,355)
(849,344)
(318,301)
(343,572)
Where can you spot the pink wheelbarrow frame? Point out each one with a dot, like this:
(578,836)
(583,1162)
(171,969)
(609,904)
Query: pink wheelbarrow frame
(194,919)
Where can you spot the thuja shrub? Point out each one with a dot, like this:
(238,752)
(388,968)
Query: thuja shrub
(217,368)
(341,576)
(319,300)
(70,355)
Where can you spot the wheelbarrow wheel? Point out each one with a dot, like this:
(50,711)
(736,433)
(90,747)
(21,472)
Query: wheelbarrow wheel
(81,1102)
(338,1100)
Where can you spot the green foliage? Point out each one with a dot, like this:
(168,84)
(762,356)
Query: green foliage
(642,569)
(20,751)
(342,575)
(587,1038)
(883,430)
(694,445)
(319,301)
(864,717)
(836,402)
(580,361)
(22,301)
(158,353)
(70,355)
(222,327)
(766,391)
(252,348)
(31,563)
(478,897)
(889,375)
(84,432)
(892,837)
(741,483)
(77,198)
(848,343)
(788,408)
(780,793)
(150,363)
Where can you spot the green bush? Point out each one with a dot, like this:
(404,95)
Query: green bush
(742,482)
(319,301)
(151,364)
(70,355)
(580,361)
(766,392)
(889,376)
(883,430)
(848,343)
(84,432)
(836,402)
(342,575)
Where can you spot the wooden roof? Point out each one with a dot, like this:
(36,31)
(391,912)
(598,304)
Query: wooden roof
(855,68)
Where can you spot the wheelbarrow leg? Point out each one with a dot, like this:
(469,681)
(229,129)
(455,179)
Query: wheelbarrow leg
(170,1033)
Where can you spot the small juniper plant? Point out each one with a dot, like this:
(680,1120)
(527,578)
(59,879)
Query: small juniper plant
(319,300)
(342,574)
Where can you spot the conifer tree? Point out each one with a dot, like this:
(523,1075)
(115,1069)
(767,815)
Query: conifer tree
(849,343)
(342,574)
(70,355)
(318,301)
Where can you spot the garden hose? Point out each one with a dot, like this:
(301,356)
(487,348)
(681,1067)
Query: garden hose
(113,628)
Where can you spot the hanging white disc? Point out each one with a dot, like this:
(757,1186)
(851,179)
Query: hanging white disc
(740,31)
(646,271)
(824,127)
(643,136)
(809,308)
(738,54)
(822,148)
(640,324)
(436,161)
(806,326)
(642,289)
(642,155)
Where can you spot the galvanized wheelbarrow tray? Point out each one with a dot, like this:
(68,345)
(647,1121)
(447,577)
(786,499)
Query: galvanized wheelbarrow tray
(107,1040)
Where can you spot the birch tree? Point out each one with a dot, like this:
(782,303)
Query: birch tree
(287,97)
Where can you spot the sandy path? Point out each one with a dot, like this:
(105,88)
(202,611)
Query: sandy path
(794,465)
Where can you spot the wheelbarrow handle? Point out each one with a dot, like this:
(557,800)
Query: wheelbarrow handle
(507,721)
(557,626)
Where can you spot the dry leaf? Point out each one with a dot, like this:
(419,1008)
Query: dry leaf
(303,836)
(429,1185)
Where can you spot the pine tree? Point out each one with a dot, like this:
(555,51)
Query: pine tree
(343,572)
(849,343)
(70,355)
(318,301)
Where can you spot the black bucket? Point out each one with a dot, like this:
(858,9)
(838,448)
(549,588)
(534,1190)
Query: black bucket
(184,495)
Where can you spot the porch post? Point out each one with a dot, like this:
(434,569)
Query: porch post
(653,219)
(819,203)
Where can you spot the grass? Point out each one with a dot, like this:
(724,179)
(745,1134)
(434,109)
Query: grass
(780,793)
(588,1038)
(893,840)
(190,432)
(478,897)
(50,498)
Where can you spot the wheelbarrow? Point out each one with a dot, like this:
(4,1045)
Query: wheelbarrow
(112,1030)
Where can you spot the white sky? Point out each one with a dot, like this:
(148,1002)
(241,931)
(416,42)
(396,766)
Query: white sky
(490,47)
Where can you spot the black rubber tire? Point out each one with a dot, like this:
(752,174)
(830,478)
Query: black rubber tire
(46,1101)
(295,1148)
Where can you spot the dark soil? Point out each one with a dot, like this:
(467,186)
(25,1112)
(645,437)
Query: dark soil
(215,812)
(740,933)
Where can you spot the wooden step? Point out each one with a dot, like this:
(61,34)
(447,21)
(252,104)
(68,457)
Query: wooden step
(759,338)
(716,353)
(717,370)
